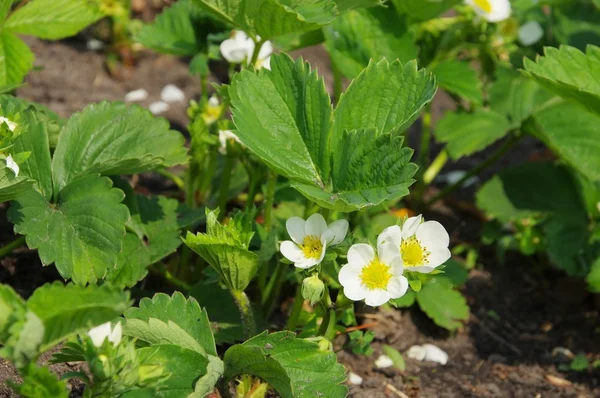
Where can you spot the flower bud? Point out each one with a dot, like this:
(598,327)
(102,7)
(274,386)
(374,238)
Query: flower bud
(313,288)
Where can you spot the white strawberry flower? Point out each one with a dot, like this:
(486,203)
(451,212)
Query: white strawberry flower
(491,10)
(375,278)
(11,164)
(103,332)
(11,125)
(423,246)
(310,239)
(240,48)
(224,136)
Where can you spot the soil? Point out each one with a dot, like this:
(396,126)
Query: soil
(519,313)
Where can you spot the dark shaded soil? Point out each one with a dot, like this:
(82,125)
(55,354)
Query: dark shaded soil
(519,313)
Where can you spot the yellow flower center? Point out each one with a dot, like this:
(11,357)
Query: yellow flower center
(311,246)
(376,275)
(485,5)
(413,254)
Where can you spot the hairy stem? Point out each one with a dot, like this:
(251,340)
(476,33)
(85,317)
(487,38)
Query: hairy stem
(258,45)
(246,312)
(15,244)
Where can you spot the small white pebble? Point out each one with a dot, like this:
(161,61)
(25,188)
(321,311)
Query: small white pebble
(354,379)
(416,352)
(384,362)
(136,95)
(172,93)
(427,352)
(159,107)
(94,45)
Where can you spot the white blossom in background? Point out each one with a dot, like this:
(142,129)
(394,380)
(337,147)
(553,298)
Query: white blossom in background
(158,107)
(530,33)
(240,48)
(354,379)
(491,10)
(94,45)
(375,278)
(11,164)
(11,125)
(104,332)
(136,95)
(428,352)
(213,101)
(384,362)
(423,246)
(224,136)
(171,93)
(310,239)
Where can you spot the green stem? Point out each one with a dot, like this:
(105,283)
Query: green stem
(337,81)
(170,278)
(476,170)
(258,45)
(425,137)
(327,328)
(272,289)
(251,191)
(269,200)
(173,177)
(15,244)
(296,309)
(246,312)
(224,190)
(435,167)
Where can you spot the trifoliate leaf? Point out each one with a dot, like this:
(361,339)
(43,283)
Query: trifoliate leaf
(356,37)
(294,367)
(112,138)
(569,73)
(444,305)
(16,59)
(52,19)
(467,133)
(423,10)
(572,133)
(82,232)
(284,116)
(387,97)
(459,78)
(40,382)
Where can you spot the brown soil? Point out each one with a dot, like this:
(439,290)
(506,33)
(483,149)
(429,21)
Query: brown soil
(519,313)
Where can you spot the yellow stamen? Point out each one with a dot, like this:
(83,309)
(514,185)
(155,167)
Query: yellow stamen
(311,246)
(413,253)
(485,5)
(376,275)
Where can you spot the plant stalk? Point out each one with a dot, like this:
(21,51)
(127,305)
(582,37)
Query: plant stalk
(269,200)
(435,167)
(296,309)
(173,177)
(337,82)
(15,244)
(258,45)
(474,171)
(224,189)
(246,312)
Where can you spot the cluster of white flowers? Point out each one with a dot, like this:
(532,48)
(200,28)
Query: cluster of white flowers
(240,48)
(375,276)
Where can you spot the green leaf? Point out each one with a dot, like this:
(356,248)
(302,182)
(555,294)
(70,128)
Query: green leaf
(444,305)
(82,232)
(572,133)
(16,59)
(12,187)
(5,7)
(171,320)
(67,310)
(396,357)
(423,10)
(174,30)
(356,37)
(459,78)
(467,133)
(569,73)
(387,97)
(112,138)
(293,366)
(576,23)
(283,114)
(52,19)
(40,382)
(10,301)
(456,272)
(225,248)
(345,5)
(405,301)
(34,139)
(516,96)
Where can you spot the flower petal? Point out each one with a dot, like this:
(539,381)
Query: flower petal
(336,232)
(432,235)
(392,235)
(295,227)
(438,256)
(116,334)
(361,254)
(355,291)
(397,286)
(350,274)
(265,51)
(377,297)
(11,164)
(409,228)
(291,251)
(315,225)
(234,50)
(99,333)
(424,269)
(389,253)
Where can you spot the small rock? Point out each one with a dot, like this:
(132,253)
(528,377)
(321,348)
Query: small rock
(562,354)
(384,362)
(136,95)
(416,352)
(159,107)
(94,45)
(557,381)
(355,379)
(171,93)
(494,390)
(428,352)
